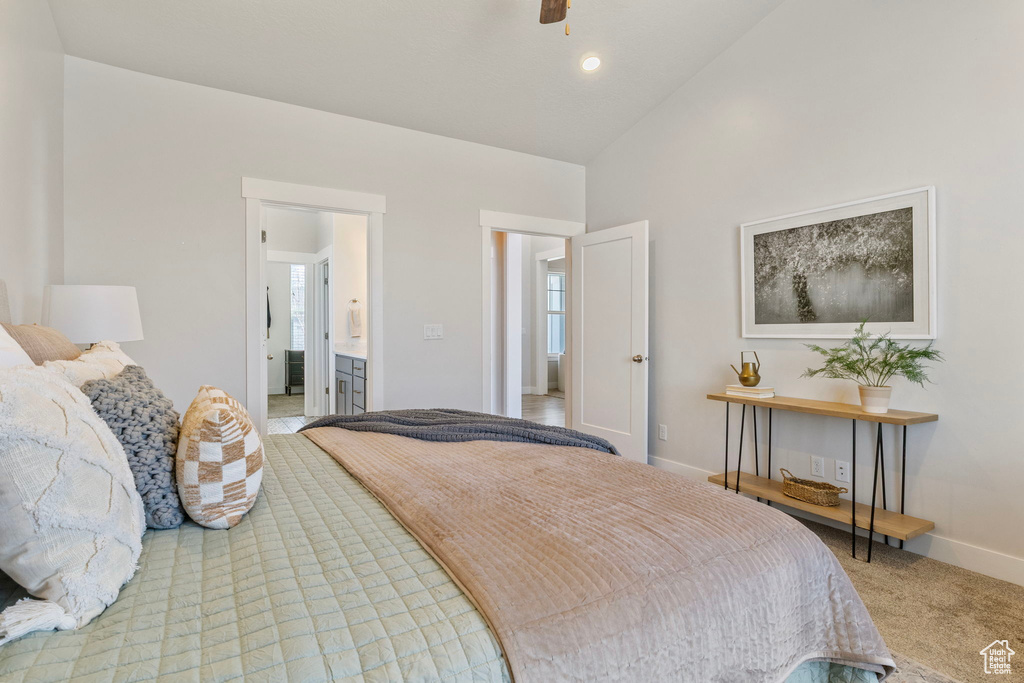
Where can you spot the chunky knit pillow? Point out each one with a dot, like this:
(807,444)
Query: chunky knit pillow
(71,521)
(146,424)
(220,460)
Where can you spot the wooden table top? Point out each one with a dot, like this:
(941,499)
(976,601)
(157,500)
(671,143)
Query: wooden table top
(830,409)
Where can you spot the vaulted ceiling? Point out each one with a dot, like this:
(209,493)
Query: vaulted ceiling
(479,70)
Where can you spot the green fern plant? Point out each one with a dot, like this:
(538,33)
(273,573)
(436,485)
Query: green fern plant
(874,360)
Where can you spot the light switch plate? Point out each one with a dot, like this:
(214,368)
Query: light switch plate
(433,331)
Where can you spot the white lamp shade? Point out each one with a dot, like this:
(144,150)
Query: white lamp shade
(87,314)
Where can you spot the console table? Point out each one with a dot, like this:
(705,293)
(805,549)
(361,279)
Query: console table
(869,517)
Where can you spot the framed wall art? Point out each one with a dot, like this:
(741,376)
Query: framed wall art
(817,274)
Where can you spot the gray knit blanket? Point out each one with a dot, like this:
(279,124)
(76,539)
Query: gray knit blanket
(145,423)
(444,424)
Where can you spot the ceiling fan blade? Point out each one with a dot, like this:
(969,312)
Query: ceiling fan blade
(552,11)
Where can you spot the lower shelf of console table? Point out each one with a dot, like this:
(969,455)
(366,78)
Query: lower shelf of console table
(871,517)
(902,527)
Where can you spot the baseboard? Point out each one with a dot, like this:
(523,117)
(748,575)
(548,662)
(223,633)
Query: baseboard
(527,390)
(273,391)
(982,560)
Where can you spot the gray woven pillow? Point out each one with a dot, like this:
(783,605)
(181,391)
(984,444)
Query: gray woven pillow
(146,424)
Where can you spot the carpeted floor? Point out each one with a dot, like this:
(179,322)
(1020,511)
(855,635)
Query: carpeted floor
(930,612)
(282,405)
(909,671)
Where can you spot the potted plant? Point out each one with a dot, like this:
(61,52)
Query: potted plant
(871,362)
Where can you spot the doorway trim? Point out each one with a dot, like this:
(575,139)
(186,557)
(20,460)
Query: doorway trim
(320,311)
(257,193)
(497,221)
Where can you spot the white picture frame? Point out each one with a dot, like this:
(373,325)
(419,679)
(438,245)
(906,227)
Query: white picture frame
(819,239)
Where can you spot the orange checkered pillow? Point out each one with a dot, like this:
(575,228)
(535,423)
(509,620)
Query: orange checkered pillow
(220,460)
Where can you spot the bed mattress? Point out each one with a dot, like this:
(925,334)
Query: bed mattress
(318,582)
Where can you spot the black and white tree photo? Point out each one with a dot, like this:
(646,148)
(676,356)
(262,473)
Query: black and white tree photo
(842,271)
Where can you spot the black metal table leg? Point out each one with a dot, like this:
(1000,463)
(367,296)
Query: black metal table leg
(768,502)
(881,456)
(853,495)
(726,470)
(874,491)
(739,457)
(757,456)
(903,478)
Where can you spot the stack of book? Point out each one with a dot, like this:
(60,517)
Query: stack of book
(749,392)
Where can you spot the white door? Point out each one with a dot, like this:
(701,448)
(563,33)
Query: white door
(609,336)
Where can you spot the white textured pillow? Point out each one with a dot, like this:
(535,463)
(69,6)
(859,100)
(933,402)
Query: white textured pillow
(72,521)
(11,353)
(104,360)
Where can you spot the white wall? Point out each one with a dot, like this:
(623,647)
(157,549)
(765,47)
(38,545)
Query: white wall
(526,274)
(350,271)
(827,101)
(296,231)
(31,155)
(153,170)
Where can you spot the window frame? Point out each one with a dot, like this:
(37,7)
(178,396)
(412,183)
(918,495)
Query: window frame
(297,276)
(550,311)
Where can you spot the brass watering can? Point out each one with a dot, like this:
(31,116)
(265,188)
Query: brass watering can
(749,376)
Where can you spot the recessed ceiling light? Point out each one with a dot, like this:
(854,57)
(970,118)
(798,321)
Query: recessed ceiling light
(590,63)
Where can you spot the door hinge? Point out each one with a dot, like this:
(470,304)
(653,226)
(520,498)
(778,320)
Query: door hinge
(326,282)
(263,236)
(325,336)
(327,390)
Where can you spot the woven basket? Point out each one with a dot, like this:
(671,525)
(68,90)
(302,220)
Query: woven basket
(814,492)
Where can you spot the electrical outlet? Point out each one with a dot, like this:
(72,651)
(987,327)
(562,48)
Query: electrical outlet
(663,432)
(817,466)
(842,471)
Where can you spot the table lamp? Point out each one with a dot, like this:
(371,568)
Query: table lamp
(87,314)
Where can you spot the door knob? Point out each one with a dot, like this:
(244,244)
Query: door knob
(270,356)
(638,358)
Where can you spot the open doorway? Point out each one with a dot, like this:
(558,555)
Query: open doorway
(287,283)
(260,195)
(528,328)
(546,355)
(316,268)
(506,265)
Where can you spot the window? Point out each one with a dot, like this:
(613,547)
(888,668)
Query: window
(556,312)
(298,306)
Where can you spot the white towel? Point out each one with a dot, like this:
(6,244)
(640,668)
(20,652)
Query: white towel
(355,319)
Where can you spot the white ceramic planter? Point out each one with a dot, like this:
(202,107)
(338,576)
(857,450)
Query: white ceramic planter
(875,399)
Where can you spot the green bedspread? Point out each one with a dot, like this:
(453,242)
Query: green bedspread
(318,582)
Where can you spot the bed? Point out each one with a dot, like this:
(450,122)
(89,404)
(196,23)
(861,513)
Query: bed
(321,581)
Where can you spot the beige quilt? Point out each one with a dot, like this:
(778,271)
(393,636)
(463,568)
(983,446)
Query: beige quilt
(591,567)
